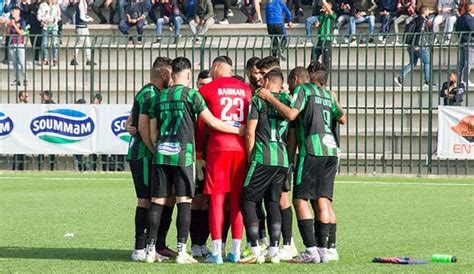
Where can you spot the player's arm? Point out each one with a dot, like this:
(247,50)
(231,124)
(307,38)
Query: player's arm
(128,125)
(153,132)
(291,146)
(285,111)
(144,130)
(327,6)
(219,125)
(250,136)
(342,118)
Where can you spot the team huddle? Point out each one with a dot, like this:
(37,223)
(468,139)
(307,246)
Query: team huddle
(227,154)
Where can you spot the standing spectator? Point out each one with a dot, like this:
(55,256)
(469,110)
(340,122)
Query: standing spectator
(46,98)
(204,18)
(16,48)
(136,13)
(343,9)
(466,57)
(297,6)
(416,47)
(82,31)
(363,12)
(49,14)
(324,47)
(9,4)
(79,163)
(170,13)
(406,11)
(451,91)
(35,29)
(275,11)
(313,20)
(98,6)
(388,12)
(447,12)
(248,9)
(19,160)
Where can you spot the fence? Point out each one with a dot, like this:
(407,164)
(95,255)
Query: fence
(390,129)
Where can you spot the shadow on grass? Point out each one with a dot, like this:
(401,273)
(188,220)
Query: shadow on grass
(53,253)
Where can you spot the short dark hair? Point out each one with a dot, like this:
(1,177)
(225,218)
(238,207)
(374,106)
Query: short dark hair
(204,74)
(318,73)
(453,72)
(161,62)
(238,77)
(422,9)
(15,8)
(268,63)
(98,96)
(223,59)
(179,64)
(81,101)
(251,63)
(301,72)
(274,74)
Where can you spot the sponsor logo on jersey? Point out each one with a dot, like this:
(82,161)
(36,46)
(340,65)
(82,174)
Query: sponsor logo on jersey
(119,129)
(62,126)
(168,148)
(6,125)
(329,141)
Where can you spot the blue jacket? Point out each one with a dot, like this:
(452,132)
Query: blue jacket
(275,11)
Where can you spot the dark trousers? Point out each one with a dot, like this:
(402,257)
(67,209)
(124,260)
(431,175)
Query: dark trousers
(7,43)
(124,26)
(324,48)
(19,161)
(279,38)
(36,39)
(296,6)
(387,22)
(249,12)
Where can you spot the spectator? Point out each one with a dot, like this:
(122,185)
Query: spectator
(388,12)
(227,12)
(16,48)
(275,11)
(79,163)
(363,12)
(406,11)
(170,13)
(324,46)
(98,6)
(122,6)
(204,18)
(136,13)
(466,57)
(343,9)
(447,12)
(35,29)
(416,47)
(9,4)
(451,91)
(19,160)
(248,9)
(49,14)
(204,77)
(153,6)
(46,98)
(68,9)
(82,31)
(464,6)
(256,4)
(298,8)
(313,19)
(430,5)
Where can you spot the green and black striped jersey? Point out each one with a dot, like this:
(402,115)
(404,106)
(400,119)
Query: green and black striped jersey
(313,125)
(176,110)
(271,132)
(142,104)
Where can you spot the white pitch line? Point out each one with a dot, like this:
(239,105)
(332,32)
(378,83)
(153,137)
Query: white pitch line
(129,179)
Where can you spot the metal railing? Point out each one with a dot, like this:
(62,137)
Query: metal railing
(390,129)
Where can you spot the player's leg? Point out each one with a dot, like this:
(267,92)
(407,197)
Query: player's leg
(332,251)
(262,230)
(199,230)
(325,189)
(165,224)
(216,222)
(184,184)
(288,251)
(140,175)
(226,225)
(304,190)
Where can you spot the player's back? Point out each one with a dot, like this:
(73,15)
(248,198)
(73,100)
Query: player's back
(228,99)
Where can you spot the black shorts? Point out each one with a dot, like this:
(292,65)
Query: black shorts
(166,178)
(141,169)
(314,177)
(286,186)
(199,187)
(263,181)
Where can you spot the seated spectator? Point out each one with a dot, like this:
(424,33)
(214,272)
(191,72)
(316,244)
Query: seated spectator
(465,24)
(98,7)
(448,14)
(452,91)
(49,15)
(313,19)
(248,9)
(82,31)
(153,6)
(135,14)
(406,11)
(431,7)
(297,6)
(170,13)
(16,48)
(343,9)
(204,18)
(227,12)
(387,11)
(122,6)
(363,12)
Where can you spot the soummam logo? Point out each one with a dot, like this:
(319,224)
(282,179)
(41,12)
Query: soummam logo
(62,126)
(119,129)
(6,125)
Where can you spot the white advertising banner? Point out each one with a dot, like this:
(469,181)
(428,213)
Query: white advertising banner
(456,132)
(63,129)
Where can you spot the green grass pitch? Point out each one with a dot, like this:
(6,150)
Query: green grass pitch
(377,216)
